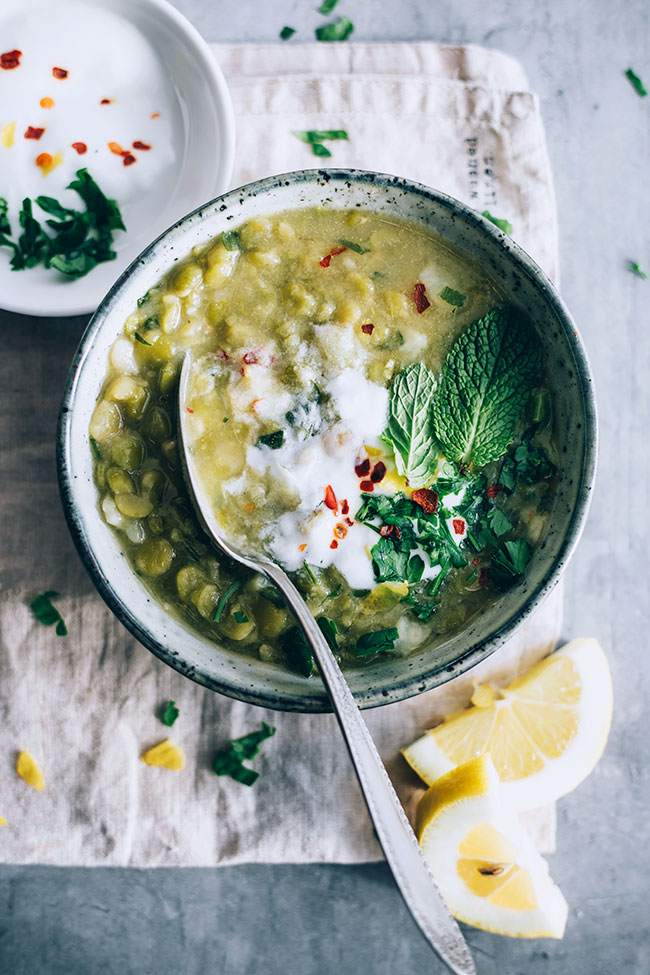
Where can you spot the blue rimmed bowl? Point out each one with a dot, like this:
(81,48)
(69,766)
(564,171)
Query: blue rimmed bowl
(523,284)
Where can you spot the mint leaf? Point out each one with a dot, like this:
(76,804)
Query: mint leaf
(169,714)
(339,30)
(410,424)
(499,222)
(230,760)
(379,641)
(452,297)
(485,385)
(636,83)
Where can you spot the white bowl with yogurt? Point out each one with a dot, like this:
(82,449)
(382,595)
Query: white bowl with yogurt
(136,73)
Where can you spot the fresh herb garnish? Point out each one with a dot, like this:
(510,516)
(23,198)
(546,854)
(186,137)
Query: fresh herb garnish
(526,461)
(230,760)
(486,381)
(298,651)
(330,630)
(452,297)
(512,559)
(94,446)
(498,521)
(47,614)
(139,338)
(378,641)
(339,30)
(150,323)
(316,137)
(351,246)
(636,269)
(240,617)
(81,239)
(410,424)
(333,594)
(636,83)
(286,33)
(230,240)
(169,714)
(272,440)
(327,7)
(221,605)
(499,222)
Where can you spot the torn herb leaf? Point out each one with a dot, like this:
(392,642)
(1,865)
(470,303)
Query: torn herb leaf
(169,714)
(286,33)
(327,7)
(499,222)
(636,83)
(339,30)
(46,613)
(230,760)
(636,269)
(379,641)
(271,440)
(357,248)
(452,297)
(230,240)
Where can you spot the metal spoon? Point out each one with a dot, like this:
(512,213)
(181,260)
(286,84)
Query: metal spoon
(401,849)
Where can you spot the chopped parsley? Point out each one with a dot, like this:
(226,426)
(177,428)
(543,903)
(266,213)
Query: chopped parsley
(230,760)
(379,641)
(499,222)
(139,339)
(221,605)
(636,269)
(351,246)
(46,613)
(169,714)
(79,239)
(230,240)
(286,33)
(327,7)
(316,137)
(298,651)
(338,30)
(636,83)
(452,297)
(240,617)
(271,440)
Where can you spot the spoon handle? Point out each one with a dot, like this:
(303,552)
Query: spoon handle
(402,851)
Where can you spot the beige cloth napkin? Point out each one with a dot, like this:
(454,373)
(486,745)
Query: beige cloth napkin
(459,119)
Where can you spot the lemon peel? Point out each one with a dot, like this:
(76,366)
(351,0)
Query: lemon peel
(27,768)
(164,755)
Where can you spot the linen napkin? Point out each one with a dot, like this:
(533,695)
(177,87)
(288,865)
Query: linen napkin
(86,706)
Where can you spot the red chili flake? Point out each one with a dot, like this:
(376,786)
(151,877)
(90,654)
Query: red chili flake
(367,486)
(60,73)
(334,544)
(128,159)
(80,147)
(390,531)
(115,148)
(250,358)
(378,472)
(483,576)
(155,115)
(142,146)
(420,298)
(222,354)
(10,60)
(330,498)
(493,490)
(325,262)
(106,101)
(301,548)
(189,409)
(348,521)
(44,159)
(340,530)
(46,102)
(362,468)
(368,328)
(345,507)
(33,132)
(426,498)
(474,561)
(459,525)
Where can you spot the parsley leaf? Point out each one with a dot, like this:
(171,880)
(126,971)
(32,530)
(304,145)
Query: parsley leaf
(379,641)
(169,714)
(636,269)
(512,559)
(272,440)
(351,246)
(230,760)
(338,30)
(273,595)
(452,297)
(221,605)
(410,424)
(486,381)
(499,222)
(330,630)
(286,33)
(636,83)
(316,137)
(498,521)
(240,617)
(46,613)
(327,7)
(230,240)
(298,651)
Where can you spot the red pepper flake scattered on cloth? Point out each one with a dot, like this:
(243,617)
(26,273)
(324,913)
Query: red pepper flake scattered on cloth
(340,530)
(334,544)
(390,531)
(420,298)
(330,498)
(128,158)
(348,521)
(43,159)
(493,490)
(142,146)
(60,73)
(368,328)
(459,526)
(106,101)
(367,486)
(10,60)
(33,132)
(426,499)
(325,262)
(80,147)
(378,472)
(362,468)
(46,102)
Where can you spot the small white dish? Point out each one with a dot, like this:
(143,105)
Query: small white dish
(137,72)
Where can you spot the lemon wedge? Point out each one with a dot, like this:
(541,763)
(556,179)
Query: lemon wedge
(484,863)
(544,732)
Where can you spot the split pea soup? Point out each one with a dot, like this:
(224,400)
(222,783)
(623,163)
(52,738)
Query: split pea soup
(364,408)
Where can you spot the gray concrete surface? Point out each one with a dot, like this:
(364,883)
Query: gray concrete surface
(314,920)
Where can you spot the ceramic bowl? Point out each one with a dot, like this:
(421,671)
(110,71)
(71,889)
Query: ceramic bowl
(523,283)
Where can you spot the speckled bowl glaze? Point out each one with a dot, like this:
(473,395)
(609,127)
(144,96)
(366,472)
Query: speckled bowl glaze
(524,285)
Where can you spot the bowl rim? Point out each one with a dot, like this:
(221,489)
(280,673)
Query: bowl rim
(410,684)
(222,101)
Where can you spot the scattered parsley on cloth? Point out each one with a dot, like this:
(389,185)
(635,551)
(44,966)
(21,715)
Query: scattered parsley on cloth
(170,713)
(230,760)
(636,83)
(634,267)
(46,613)
(499,222)
(316,137)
